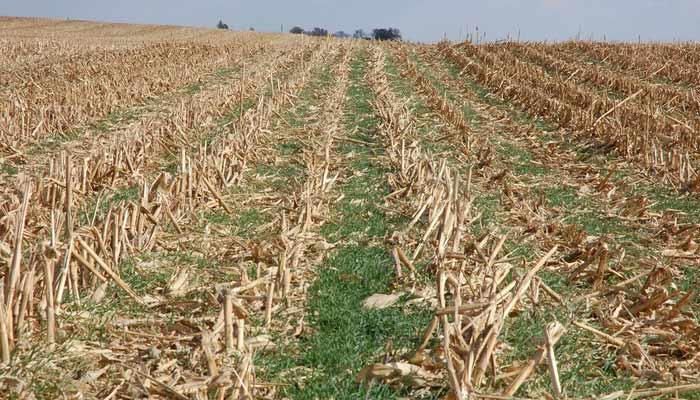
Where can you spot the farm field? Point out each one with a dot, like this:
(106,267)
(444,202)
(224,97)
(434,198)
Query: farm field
(203,214)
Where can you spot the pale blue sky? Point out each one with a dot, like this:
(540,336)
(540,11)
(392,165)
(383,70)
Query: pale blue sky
(660,20)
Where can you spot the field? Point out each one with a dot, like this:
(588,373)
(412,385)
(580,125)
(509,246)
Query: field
(202,214)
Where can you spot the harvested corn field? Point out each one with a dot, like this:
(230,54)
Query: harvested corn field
(197,214)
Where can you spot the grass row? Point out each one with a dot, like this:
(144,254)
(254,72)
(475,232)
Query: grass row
(346,337)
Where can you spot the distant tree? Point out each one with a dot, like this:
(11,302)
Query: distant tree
(297,30)
(221,25)
(341,35)
(359,34)
(318,32)
(386,34)
(251,29)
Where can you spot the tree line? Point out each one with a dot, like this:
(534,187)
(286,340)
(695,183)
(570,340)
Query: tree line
(376,34)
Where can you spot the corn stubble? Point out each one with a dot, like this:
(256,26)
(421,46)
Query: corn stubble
(69,226)
(478,288)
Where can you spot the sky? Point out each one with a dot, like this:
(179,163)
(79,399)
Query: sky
(424,21)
